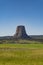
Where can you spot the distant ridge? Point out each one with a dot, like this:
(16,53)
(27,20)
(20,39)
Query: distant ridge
(21,34)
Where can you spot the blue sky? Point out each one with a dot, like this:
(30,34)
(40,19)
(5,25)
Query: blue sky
(21,12)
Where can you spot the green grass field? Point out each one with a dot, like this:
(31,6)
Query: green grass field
(21,54)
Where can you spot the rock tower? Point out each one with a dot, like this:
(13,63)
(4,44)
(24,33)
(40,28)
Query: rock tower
(21,33)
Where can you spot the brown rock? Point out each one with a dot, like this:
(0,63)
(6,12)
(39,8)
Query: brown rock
(21,33)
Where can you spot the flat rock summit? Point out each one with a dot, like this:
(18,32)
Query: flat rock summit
(21,33)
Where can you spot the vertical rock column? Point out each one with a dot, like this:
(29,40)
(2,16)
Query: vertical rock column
(21,33)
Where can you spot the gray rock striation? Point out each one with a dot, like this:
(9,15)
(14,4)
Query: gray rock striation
(21,33)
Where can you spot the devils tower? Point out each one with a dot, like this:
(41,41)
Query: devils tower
(21,33)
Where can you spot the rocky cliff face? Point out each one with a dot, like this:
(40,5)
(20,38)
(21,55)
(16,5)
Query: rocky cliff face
(21,33)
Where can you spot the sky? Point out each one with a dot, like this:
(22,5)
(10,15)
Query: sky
(21,12)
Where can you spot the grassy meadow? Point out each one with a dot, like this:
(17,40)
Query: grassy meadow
(21,54)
